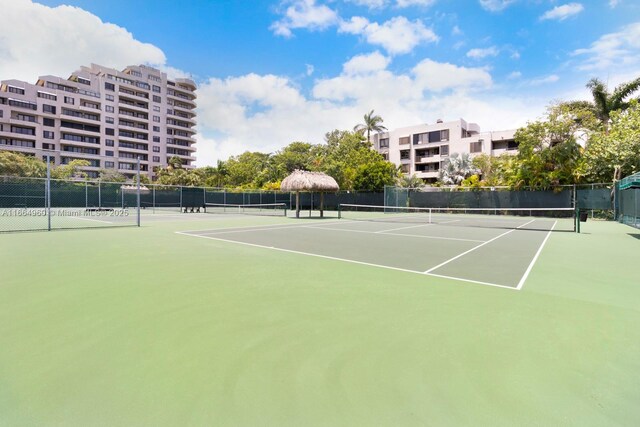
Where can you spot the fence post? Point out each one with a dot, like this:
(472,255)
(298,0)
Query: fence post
(48,191)
(138,193)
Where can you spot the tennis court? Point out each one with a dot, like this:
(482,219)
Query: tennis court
(493,250)
(245,316)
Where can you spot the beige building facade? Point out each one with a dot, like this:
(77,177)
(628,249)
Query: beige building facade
(108,117)
(420,150)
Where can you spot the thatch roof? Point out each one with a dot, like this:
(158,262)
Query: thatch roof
(309,181)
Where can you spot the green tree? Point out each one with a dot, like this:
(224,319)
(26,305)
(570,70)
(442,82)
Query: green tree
(548,151)
(615,153)
(343,153)
(70,170)
(372,123)
(16,164)
(111,175)
(605,102)
(491,169)
(249,169)
(297,155)
(409,181)
(455,169)
(374,176)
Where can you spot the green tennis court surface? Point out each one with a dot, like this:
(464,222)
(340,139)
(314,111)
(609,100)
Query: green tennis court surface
(199,319)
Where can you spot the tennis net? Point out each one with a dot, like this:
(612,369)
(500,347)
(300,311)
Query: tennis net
(539,219)
(267,209)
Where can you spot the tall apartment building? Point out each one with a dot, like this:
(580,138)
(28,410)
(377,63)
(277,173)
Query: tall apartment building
(421,149)
(108,117)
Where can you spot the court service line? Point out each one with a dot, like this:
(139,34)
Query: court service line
(535,258)
(476,247)
(255,228)
(402,228)
(351,261)
(320,227)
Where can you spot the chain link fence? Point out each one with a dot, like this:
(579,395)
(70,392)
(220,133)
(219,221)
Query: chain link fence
(32,204)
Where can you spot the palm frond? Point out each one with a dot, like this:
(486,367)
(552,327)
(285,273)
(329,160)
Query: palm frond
(622,91)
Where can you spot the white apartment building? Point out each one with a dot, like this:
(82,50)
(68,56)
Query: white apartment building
(421,149)
(108,117)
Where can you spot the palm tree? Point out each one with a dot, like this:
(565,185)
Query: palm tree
(371,124)
(605,102)
(175,162)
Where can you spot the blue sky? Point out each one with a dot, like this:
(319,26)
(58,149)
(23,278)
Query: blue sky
(272,72)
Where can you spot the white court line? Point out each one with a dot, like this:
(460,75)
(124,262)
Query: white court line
(253,228)
(319,227)
(403,228)
(343,260)
(535,258)
(471,281)
(90,219)
(475,247)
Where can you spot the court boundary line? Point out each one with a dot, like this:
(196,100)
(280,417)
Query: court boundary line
(476,247)
(345,260)
(254,227)
(535,258)
(395,234)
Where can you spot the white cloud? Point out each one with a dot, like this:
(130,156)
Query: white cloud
(365,64)
(514,75)
(483,53)
(310,69)
(371,4)
(456,31)
(562,12)
(495,5)
(613,3)
(544,80)
(408,3)
(438,76)
(304,14)
(621,49)
(255,112)
(397,35)
(31,36)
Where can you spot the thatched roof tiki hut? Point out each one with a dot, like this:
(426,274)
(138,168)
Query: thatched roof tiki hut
(309,181)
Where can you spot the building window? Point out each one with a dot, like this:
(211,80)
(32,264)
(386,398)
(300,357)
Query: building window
(110,97)
(69,100)
(110,86)
(384,143)
(156,149)
(109,131)
(109,108)
(156,119)
(444,150)
(108,153)
(156,139)
(475,147)
(405,155)
(48,134)
(46,95)
(109,164)
(48,122)
(156,88)
(157,98)
(109,142)
(156,159)
(156,108)
(17,90)
(110,120)
(156,128)
(51,109)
